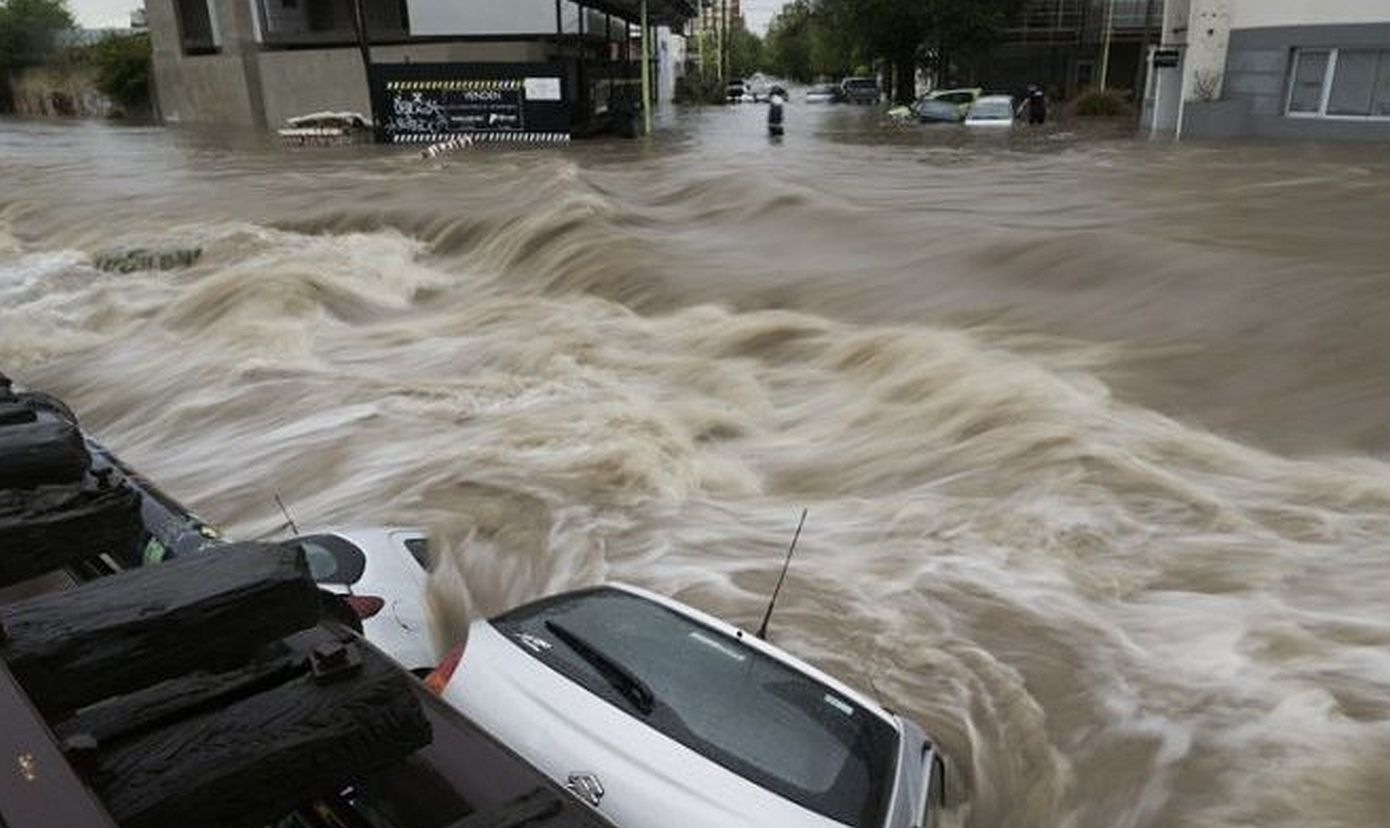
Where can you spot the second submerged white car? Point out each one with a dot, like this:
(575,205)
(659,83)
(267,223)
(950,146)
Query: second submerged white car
(660,716)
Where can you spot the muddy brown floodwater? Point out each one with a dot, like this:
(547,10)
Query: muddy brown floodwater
(1093,432)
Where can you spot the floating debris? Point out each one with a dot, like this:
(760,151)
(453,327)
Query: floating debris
(140,258)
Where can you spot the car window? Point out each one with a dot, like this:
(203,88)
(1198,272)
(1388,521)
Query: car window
(419,549)
(955,97)
(742,709)
(333,560)
(993,111)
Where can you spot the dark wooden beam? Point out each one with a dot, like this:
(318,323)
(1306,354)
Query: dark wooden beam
(250,761)
(54,527)
(120,634)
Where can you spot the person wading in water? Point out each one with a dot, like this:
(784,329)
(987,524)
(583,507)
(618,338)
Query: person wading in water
(775,101)
(1034,106)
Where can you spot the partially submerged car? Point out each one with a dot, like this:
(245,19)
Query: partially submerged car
(661,716)
(861,91)
(992,111)
(959,99)
(381,574)
(823,93)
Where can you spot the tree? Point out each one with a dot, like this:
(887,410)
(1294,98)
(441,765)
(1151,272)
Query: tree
(834,36)
(27,28)
(123,69)
(745,50)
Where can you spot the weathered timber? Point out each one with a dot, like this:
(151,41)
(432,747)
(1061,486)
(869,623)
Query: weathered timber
(57,526)
(15,413)
(175,699)
(120,634)
(43,453)
(256,759)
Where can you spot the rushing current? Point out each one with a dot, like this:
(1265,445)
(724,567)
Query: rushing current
(1093,432)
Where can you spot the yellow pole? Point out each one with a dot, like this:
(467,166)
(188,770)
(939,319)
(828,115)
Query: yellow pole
(1105,52)
(646,73)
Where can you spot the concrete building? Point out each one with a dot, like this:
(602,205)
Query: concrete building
(254,63)
(1061,46)
(1307,69)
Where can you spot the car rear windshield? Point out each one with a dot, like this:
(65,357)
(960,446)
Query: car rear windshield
(993,111)
(861,83)
(333,560)
(744,710)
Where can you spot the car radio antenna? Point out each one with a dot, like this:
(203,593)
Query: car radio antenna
(285,512)
(772,602)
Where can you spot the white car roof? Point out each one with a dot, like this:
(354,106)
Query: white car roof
(765,648)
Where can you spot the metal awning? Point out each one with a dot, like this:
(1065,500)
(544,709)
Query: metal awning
(662,12)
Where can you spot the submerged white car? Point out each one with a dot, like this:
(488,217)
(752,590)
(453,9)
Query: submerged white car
(381,575)
(660,716)
(991,111)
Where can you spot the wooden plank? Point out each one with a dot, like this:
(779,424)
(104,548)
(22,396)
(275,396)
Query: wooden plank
(44,453)
(256,759)
(54,527)
(120,634)
(175,699)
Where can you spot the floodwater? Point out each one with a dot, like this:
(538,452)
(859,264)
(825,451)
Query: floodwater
(1092,432)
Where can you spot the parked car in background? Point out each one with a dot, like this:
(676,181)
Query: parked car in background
(823,93)
(991,111)
(381,575)
(759,88)
(735,91)
(860,91)
(959,98)
(661,716)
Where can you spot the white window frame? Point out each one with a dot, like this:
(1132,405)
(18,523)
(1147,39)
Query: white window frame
(1328,75)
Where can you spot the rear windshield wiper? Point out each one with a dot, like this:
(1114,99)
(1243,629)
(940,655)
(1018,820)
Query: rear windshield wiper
(622,679)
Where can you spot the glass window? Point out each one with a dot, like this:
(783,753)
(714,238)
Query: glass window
(419,550)
(1353,82)
(748,712)
(333,560)
(1380,101)
(1310,70)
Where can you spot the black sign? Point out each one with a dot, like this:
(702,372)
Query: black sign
(431,102)
(1167,58)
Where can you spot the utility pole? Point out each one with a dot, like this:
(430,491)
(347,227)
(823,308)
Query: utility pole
(1105,50)
(1141,74)
(359,22)
(646,73)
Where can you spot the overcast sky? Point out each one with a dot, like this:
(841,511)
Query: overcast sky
(102,14)
(96,14)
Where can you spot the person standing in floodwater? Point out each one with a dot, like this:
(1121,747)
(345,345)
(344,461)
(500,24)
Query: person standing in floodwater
(775,101)
(1034,106)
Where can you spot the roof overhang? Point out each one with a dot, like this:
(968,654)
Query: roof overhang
(662,12)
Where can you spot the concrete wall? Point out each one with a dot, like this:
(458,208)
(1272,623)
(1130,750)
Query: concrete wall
(513,17)
(300,81)
(220,88)
(1257,76)
(1260,13)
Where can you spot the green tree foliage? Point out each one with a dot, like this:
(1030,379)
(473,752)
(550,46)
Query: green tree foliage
(829,37)
(27,29)
(123,69)
(745,51)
